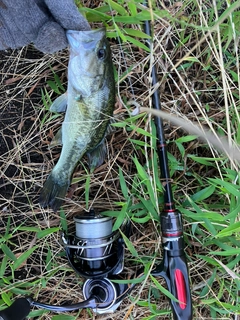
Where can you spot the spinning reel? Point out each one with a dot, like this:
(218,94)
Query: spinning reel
(97,254)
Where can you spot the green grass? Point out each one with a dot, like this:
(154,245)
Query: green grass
(195,49)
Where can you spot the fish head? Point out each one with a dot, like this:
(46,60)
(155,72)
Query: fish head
(90,56)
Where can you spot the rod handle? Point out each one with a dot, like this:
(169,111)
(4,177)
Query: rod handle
(175,272)
(179,286)
(19,310)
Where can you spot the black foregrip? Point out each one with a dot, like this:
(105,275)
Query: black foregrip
(174,266)
(19,310)
(174,270)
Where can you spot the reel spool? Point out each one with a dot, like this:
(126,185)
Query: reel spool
(94,251)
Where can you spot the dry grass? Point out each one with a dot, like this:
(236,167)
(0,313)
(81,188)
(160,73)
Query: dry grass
(201,91)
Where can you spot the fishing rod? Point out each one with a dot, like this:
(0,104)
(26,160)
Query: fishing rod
(173,267)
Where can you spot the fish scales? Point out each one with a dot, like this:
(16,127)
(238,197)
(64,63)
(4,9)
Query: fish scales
(90,102)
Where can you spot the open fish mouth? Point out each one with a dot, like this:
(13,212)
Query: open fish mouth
(85,39)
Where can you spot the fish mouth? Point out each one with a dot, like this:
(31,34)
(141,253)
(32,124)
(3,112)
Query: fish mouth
(85,39)
(84,62)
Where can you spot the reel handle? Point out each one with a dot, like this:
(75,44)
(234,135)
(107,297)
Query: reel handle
(19,310)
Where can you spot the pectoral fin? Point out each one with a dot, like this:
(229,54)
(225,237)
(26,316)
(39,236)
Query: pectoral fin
(57,139)
(96,156)
(60,104)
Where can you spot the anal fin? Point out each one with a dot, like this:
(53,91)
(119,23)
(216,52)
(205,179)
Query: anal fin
(53,193)
(97,156)
(57,139)
(110,128)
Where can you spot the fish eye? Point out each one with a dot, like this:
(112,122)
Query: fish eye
(101,54)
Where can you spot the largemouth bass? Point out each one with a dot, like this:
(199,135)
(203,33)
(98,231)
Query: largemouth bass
(89,104)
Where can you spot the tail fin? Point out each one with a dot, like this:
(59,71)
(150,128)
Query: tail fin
(53,193)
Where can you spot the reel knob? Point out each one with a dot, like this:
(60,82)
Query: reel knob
(104,291)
